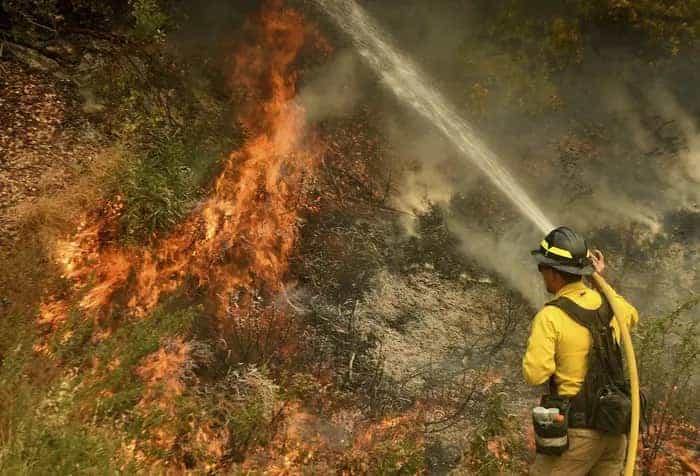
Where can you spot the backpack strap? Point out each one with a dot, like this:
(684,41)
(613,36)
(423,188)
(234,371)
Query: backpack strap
(578,314)
(588,318)
(597,321)
(604,352)
(552,386)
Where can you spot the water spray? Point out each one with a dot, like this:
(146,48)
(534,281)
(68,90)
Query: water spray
(412,87)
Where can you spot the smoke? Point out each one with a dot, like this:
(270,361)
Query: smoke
(335,88)
(684,175)
(691,158)
(423,157)
(623,152)
(643,170)
(507,254)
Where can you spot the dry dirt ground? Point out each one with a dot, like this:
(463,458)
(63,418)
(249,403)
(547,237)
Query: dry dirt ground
(430,325)
(45,139)
(449,342)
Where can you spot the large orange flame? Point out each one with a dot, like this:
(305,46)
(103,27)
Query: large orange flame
(243,233)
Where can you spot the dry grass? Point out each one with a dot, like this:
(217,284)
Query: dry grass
(27,266)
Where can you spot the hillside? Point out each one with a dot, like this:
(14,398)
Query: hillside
(229,247)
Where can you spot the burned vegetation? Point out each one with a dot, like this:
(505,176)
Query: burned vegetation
(226,249)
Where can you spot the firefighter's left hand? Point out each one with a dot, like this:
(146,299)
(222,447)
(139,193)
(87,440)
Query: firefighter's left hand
(598,261)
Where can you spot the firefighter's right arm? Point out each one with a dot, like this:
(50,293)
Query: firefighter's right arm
(538,362)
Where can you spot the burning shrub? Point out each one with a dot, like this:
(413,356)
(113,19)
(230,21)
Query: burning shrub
(393,446)
(220,422)
(114,388)
(497,446)
(68,344)
(402,457)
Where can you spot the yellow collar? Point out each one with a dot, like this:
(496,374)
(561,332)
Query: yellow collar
(571,288)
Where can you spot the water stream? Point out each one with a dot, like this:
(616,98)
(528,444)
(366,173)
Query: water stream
(413,87)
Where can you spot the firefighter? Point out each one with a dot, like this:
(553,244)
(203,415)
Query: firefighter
(558,353)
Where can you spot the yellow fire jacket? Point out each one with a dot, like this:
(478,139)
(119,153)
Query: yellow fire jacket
(559,345)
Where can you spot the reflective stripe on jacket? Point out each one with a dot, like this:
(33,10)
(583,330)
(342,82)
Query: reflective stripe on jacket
(558,345)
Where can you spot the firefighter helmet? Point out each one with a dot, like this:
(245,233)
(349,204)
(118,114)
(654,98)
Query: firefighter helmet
(565,250)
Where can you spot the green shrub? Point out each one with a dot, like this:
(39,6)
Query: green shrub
(16,336)
(32,447)
(400,457)
(37,435)
(251,422)
(668,348)
(497,446)
(149,16)
(158,187)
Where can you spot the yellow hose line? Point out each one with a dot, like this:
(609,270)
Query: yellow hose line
(631,365)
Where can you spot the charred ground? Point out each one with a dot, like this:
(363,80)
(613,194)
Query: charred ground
(377,325)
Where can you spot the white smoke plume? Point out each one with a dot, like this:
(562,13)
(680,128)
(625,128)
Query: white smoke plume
(507,254)
(626,184)
(334,89)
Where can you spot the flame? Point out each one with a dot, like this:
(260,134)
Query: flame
(52,313)
(672,446)
(242,235)
(234,246)
(339,443)
(160,373)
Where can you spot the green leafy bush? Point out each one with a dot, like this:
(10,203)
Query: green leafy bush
(29,445)
(159,184)
(157,188)
(38,435)
(668,350)
(401,457)
(150,17)
(251,424)
(497,446)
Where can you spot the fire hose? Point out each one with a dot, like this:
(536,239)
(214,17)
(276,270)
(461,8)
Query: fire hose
(618,311)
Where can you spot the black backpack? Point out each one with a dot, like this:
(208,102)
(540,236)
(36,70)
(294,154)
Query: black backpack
(603,403)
